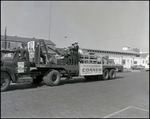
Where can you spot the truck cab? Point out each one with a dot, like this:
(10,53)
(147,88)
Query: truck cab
(13,63)
(18,65)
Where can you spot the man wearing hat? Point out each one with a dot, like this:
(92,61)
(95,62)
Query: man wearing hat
(72,53)
(76,54)
(65,54)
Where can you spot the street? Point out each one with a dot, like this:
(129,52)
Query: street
(123,97)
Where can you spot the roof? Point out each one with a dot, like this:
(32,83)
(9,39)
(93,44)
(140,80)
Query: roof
(61,50)
(23,39)
(7,50)
(144,55)
(12,50)
(130,52)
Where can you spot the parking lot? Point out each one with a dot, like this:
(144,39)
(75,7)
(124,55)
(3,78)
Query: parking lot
(123,97)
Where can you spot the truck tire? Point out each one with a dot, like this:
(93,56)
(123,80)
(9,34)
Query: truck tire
(53,78)
(45,80)
(5,81)
(38,80)
(105,74)
(112,74)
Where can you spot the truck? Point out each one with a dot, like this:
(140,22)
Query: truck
(28,65)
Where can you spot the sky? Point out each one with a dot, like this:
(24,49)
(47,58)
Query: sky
(101,25)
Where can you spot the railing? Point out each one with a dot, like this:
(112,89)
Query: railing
(90,59)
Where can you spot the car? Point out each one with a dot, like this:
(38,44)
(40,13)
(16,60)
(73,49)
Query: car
(136,67)
(147,67)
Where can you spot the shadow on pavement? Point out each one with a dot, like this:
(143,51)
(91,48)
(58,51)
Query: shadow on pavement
(83,80)
(23,86)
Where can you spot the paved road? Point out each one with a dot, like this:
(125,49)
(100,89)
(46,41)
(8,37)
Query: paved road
(125,96)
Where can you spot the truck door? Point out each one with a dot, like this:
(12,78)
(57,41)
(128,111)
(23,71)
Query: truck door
(23,64)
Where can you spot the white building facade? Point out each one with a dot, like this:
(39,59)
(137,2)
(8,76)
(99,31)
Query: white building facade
(127,59)
(142,60)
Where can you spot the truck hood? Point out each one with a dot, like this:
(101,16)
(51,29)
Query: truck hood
(6,59)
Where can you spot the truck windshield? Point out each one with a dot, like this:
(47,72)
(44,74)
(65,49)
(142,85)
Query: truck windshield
(7,55)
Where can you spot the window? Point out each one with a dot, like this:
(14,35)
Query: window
(147,61)
(15,44)
(135,62)
(3,44)
(4,55)
(123,61)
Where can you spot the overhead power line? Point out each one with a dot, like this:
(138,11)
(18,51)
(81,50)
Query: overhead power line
(114,37)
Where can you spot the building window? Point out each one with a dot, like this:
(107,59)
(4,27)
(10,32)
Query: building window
(3,44)
(135,62)
(147,61)
(123,61)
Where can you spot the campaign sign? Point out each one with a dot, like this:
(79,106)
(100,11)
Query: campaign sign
(20,67)
(90,69)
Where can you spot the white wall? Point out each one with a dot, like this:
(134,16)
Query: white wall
(142,61)
(119,58)
(128,59)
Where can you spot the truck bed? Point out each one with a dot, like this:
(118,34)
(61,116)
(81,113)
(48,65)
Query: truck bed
(116,66)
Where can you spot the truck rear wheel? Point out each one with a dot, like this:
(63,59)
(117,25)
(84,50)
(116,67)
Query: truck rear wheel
(112,74)
(105,74)
(5,81)
(53,78)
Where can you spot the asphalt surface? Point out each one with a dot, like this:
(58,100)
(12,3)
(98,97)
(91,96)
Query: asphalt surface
(123,97)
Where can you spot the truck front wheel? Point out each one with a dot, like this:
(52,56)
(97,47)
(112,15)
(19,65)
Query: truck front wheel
(112,74)
(5,81)
(53,78)
(105,74)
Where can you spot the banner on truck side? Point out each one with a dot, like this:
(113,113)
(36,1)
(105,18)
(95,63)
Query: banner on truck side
(31,48)
(90,69)
(20,67)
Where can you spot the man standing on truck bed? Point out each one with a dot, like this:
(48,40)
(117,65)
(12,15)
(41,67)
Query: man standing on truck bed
(42,55)
(72,53)
(76,54)
(66,55)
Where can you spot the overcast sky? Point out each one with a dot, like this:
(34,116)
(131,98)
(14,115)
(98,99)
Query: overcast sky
(101,25)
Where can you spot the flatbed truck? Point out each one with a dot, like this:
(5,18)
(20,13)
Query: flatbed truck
(18,68)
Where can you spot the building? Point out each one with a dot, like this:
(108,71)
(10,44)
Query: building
(126,58)
(142,60)
(15,42)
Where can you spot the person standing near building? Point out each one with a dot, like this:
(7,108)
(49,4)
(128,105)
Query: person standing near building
(76,54)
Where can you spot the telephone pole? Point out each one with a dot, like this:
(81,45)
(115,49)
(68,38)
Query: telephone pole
(50,21)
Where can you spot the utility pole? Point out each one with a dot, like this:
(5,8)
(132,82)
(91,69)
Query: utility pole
(50,20)
(5,36)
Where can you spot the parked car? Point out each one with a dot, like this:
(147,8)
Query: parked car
(136,67)
(147,67)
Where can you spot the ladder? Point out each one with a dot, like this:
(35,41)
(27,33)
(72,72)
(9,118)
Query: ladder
(42,43)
